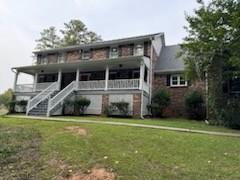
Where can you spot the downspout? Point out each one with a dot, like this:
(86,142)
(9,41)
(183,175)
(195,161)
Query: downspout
(151,71)
(141,116)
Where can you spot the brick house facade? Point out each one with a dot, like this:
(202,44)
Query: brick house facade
(128,69)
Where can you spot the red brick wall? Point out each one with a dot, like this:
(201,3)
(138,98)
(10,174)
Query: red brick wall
(137,105)
(100,53)
(52,58)
(105,100)
(126,50)
(177,94)
(73,56)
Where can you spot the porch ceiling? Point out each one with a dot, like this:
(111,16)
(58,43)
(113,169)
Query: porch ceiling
(92,65)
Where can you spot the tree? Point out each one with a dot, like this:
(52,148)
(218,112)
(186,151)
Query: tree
(212,47)
(6,97)
(75,32)
(48,39)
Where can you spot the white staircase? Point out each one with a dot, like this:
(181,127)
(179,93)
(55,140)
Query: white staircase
(57,100)
(41,98)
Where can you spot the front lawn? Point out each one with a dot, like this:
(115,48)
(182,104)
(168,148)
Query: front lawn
(127,152)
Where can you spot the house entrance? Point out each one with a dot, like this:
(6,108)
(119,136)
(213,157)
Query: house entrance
(67,78)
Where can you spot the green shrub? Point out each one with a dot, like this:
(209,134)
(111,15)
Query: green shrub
(230,115)
(161,99)
(81,105)
(195,106)
(22,103)
(118,108)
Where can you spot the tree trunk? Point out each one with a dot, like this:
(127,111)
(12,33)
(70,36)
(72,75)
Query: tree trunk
(215,90)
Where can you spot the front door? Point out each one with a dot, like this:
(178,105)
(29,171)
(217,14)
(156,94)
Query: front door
(67,78)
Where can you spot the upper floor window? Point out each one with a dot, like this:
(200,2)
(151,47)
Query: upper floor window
(61,58)
(86,54)
(114,52)
(177,80)
(139,50)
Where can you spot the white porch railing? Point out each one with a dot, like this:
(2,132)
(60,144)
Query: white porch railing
(60,97)
(41,96)
(42,86)
(123,84)
(24,88)
(91,85)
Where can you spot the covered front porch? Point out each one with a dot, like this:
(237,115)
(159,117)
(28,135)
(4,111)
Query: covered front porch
(118,74)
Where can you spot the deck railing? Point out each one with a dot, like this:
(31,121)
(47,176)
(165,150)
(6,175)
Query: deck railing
(24,88)
(91,85)
(123,84)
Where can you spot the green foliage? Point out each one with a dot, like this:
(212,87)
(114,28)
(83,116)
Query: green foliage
(76,32)
(82,104)
(118,108)
(6,97)
(212,46)
(161,99)
(49,39)
(230,115)
(194,104)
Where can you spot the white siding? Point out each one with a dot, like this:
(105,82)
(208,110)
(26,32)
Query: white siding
(145,103)
(95,106)
(122,97)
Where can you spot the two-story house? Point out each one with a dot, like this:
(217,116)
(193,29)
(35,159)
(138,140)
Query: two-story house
(127,69)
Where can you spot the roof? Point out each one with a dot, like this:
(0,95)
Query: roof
(100,44)
(168,61)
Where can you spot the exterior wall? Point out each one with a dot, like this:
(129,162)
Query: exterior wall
(126,50)
(177,94)
(145,103)
(52,58)
(137,105)
(95,106)
(100,53)
(105,100)
(122,97)
(73,56)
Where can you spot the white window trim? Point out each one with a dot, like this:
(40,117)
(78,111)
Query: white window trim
(84,52)
(114,55)
(135,49)
(178,81)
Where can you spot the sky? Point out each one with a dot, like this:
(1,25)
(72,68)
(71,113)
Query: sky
(21,22)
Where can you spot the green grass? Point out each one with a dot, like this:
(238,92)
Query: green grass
(141,153)
(171,122)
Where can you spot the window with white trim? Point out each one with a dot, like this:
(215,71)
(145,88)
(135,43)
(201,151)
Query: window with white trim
(86,55)
(139,50)
(178,80)
(114,52)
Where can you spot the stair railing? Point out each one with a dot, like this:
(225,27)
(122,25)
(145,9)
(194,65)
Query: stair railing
(32,103)
(53,102)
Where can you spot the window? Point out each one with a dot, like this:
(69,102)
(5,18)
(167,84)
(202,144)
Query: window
(114,52)
(235,85)
(146,74)
(177,80)
(86,55)
(139,50)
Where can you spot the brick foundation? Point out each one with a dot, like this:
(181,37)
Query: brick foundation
(137,105)
(105,100)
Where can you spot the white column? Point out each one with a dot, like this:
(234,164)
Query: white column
(35,82)
(77,78)
(15,81)
(141,79)
(106,78)
(59,79)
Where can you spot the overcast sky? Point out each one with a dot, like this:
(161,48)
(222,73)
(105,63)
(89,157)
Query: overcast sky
(22,20)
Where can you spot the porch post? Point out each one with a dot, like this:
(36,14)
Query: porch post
(15,81)
(59,78)
(106,78)
(35,82)
(141,79)
(77,78)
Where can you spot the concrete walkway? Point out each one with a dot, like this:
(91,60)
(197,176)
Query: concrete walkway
(127,124)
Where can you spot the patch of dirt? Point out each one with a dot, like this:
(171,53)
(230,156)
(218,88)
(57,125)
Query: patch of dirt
(95,174)
(77,130)
(65,172)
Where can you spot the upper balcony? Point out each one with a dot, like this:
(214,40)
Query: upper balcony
(93,54)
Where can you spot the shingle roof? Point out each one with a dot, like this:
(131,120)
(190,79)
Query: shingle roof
(99,44)
(168,60)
